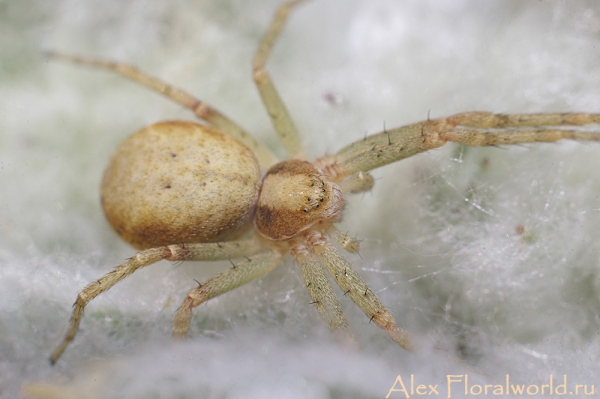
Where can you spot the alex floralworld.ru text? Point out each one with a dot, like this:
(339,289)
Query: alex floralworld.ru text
(459,384)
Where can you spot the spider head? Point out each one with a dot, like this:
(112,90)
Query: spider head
(294,197)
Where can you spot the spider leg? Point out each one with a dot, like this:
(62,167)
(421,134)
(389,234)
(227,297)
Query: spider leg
(472,128)
(357,289)
(200,109)
(499,121)
(323,296)
(240,274)
(277,111)
(474,137)
(357,183)
(212,251)
(344,240)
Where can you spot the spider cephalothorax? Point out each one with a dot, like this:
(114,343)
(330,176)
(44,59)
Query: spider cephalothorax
(294,196)
(184,191)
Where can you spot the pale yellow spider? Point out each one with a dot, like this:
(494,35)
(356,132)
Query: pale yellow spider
(183,191)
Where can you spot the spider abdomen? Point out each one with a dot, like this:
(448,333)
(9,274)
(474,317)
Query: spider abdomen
(294,196)
(180,182)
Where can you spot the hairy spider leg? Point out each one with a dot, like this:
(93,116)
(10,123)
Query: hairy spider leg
(205,251)
(180,96)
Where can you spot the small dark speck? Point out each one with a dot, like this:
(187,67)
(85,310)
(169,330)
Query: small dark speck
(173,155)
(207,161)
(169,186)
(309,199)
(321,199)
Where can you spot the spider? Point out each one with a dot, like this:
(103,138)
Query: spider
(179,190)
